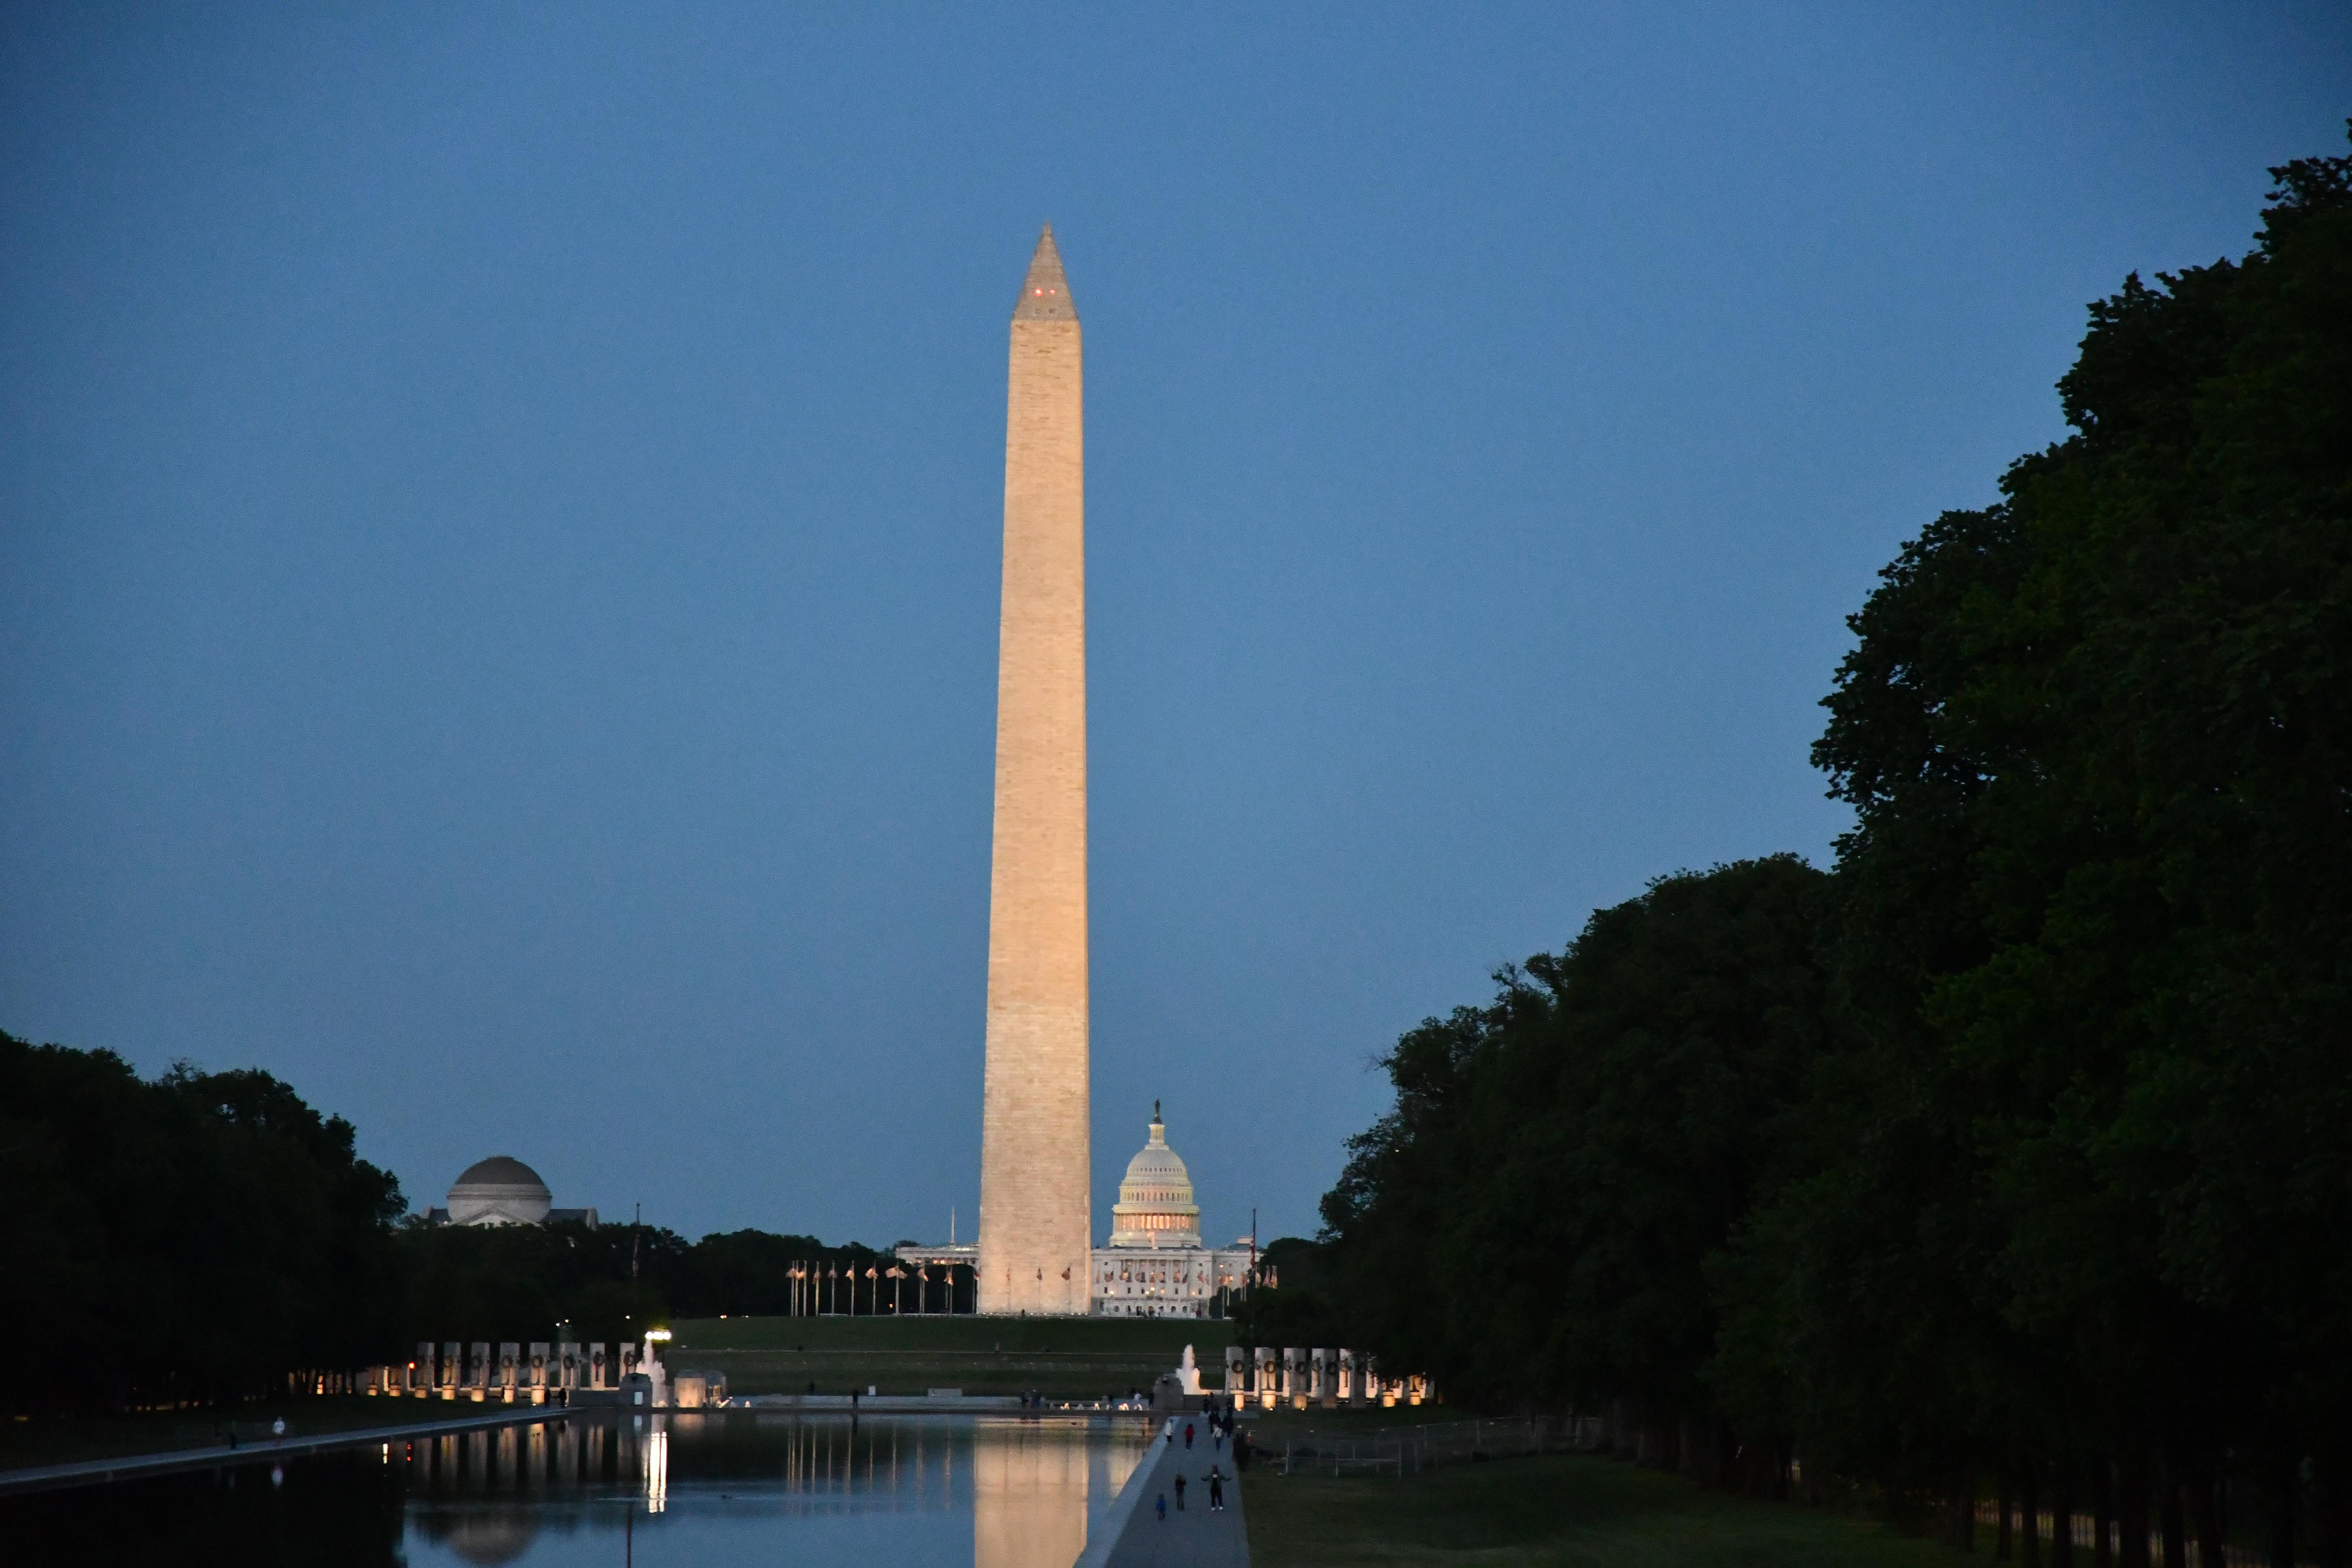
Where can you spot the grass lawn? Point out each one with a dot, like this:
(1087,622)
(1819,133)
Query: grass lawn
(1274,1425)
(67,1439)
(1159,1337)
(1563,1511)
(1064,1358)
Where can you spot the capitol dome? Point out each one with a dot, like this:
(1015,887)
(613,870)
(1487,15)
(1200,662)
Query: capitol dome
(1155,1206)
(500,1190)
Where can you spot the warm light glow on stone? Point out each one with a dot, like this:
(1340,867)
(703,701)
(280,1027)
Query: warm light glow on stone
(1035,1226)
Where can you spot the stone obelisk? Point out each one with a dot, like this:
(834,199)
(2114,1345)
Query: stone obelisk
(1035,1227)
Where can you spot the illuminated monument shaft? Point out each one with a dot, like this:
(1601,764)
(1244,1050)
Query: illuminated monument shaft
(1035,1231)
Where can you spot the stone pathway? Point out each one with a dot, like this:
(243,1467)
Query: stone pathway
(1192,1537)
(92,1472)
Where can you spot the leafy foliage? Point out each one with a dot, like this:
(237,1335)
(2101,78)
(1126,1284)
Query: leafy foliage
(1536,1214)
(194,1238)
(2016,1146)
(516,1282)
(188,1238)
(1297,1311)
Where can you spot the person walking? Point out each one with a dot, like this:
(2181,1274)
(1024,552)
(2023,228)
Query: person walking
(1216,1479)
(1188,1436)
(1180,1491)
(1160,1507)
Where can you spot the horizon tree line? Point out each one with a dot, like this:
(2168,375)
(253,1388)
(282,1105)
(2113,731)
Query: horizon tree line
(2005,1160)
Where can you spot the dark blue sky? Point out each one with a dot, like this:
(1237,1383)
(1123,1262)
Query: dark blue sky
(499,509)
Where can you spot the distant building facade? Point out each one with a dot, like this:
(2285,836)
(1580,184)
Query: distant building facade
(502,1190)
(1156,1264)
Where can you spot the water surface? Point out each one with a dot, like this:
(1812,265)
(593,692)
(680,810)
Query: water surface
(735,1487)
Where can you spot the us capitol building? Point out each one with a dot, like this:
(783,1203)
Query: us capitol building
(1156,1264)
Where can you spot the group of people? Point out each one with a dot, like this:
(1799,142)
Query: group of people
(1222,1427)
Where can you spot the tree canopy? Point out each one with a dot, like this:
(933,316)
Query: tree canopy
(190,1237)
(2014,1145)
(193,1238)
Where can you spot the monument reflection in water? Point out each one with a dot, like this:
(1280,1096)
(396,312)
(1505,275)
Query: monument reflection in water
(727,1486)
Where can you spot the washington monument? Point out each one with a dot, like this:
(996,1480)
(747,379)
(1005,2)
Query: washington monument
(1035,1227)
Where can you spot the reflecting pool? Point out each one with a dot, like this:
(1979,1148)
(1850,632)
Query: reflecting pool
(725,1487)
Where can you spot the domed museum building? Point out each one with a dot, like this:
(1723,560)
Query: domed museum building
(502,1190)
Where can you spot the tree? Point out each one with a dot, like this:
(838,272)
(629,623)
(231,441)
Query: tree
(2019,1149)
(1535,1216)
(2094,919)
(190,1239)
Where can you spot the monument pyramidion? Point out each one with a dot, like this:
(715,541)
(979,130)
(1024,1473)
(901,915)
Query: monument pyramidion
(1035,1227)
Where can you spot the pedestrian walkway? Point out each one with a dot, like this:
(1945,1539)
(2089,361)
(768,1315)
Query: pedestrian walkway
(1192,1537)
(93,1472)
